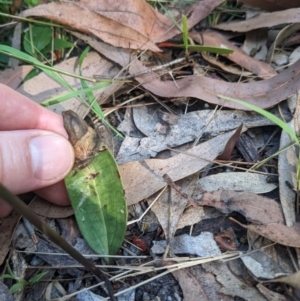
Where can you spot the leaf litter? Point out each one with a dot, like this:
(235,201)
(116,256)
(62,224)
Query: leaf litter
(159,132)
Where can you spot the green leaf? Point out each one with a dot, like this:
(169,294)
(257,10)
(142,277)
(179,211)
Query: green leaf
(97,197)
(185,32)
(36,278)
(40,38)
(58,44)
(211,49)
(67,95)
(7,276)
(17,286)
(268,115)
(32,3)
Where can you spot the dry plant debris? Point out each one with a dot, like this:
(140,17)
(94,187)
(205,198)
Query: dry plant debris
(218,229)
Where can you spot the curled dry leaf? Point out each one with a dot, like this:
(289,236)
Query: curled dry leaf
(263,20)
(255,208)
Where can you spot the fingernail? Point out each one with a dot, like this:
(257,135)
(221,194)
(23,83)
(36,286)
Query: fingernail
(51,156)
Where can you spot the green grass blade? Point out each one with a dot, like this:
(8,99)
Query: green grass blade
(68,95)
(211,49)
(267,114)
(185,32)
(17,54)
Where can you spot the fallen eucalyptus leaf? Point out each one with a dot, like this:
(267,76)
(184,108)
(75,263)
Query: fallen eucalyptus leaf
(278,232)
(255,208)
(252,182)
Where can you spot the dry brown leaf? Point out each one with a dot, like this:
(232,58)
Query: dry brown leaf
(141,179)
(122,24)
(272,5)
(230,144)
(47,209)
(263,94)
(263,20)
(226,67)
(77,15)
(239,57)
(255,208)
(279,233)
(197,284)
(7,228)
(14,77)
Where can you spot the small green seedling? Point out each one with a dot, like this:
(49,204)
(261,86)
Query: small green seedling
(21,283)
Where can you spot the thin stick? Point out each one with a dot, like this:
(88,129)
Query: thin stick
(169,181)
(146,71)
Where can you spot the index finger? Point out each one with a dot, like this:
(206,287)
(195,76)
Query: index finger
(20,113)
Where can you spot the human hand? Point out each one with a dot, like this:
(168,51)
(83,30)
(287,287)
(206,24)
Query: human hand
(34,151)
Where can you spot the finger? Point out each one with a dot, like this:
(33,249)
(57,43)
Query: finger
(33,159)
(5,208)
(56,193)
(19,113)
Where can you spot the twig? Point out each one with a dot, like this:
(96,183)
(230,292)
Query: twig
(146,71)
(169,181)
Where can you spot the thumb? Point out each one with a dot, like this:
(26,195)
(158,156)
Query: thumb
(32,159)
